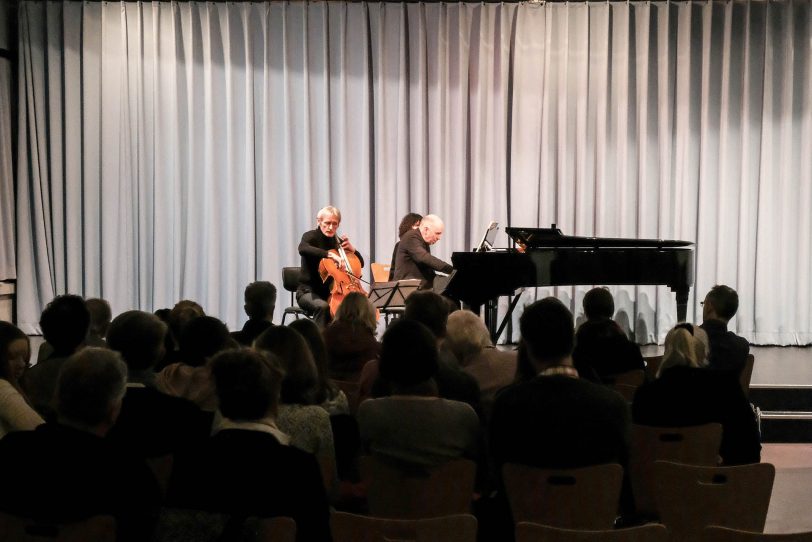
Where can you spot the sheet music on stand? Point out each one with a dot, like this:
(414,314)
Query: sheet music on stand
(392,294)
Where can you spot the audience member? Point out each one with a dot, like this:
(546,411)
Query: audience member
(327,394)
(411,221)
(15,352)
(602,349)
(66,471)
(728,351)
(470,342)
(247,468)
(151,423)
(414,426)
(260,301)
(181,314)
(100,317)
(190,378)
(64,323)
(684,394)
(350,338)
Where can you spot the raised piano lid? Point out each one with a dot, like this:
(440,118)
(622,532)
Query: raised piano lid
(552,237)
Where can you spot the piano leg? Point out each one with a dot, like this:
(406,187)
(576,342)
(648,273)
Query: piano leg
(682,302)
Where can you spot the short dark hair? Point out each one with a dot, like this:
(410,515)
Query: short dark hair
(430,309)
(90,382)
(260,299)
(139,337)
(202,338)
(407,222)
(100,315)
(725,301)
(247,383)
(301,376)
(598,303)
(548,330)
(408,353)
(65,322)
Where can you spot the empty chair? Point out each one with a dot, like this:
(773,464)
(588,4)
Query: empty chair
(532,532)
(354,528)
(697,445)
(418,492)
(96,528)
(726,534)
(690,498)
(290,282)
(583,498)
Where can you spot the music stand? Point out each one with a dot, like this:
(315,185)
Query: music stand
(390,297)
(487,240)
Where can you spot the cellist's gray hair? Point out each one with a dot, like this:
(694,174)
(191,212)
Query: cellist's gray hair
(328,210)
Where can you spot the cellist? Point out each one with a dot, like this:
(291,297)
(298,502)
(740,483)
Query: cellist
(312,294)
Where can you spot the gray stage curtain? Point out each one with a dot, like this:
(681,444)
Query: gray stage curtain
(8,269)
(179,150)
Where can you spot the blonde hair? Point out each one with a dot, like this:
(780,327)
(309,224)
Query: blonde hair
(328,210)
(681,349)
(357,310)
(466,335)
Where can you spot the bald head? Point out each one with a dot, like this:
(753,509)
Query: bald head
(431,228)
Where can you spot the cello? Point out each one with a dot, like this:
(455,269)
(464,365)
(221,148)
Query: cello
(346,279)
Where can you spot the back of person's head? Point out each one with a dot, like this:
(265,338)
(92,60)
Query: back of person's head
(90,387)
(547,331)
(466,335)
(681,348)
(139,337)
(9,334)
(247,383)
(100,316)
(65,322)
(260,300)
(723,301)
(301,377)
(408,223)
(599,304)
(408,354)
(430,309)
(357,310)
(307,328)
(202,338)
(181,314)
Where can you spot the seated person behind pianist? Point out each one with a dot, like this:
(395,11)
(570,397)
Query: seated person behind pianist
(100,317)
(15,352)
(247,467)
(414,426)
(67,471)
(413,259)
(602,350)
(728,351)
(350,338)
(260,301)
(684,394)
(409,222)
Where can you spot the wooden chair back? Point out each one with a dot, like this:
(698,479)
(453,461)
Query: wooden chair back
(584,498)
(626,391)
(354,528)
(635,377)
(726,534)
(652,366)
(96,528)
(380,272)
(690,498)
(696,445)
(401,492)
(279,529)
(532,532)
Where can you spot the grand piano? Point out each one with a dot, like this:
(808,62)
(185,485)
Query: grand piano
(550,258)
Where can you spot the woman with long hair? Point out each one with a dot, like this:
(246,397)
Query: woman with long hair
(15,353)
(350,338)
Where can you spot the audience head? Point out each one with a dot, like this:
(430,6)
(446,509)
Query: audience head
(408,354)
(100,316)
(408,223)
(431,228)
(466,335)
(301,377)
(247,383)
(90,388)
(308,329)
(598,304)
(260,300)
(547,332)
(682,348)
(139,337)
(721,303)
(181,314)
(65,322)
(15,352)
(202,338)
(430,309)
(357,311)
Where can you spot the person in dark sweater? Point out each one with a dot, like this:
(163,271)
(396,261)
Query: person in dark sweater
(728,351)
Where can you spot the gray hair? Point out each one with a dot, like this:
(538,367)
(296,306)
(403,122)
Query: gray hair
(90,383)
(466,335)
(328,210)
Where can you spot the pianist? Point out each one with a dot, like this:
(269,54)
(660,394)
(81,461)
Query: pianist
(413,259)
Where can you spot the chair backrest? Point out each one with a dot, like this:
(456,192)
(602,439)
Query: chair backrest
(626,391)
(280,529)
(634,377)
(96,528)
(726,534)
(584,498)
(747,373)
(418,492)
(532,532)
(290,278)
(696,445)
(380,271)
(690,498)
(652,365)
(354,528)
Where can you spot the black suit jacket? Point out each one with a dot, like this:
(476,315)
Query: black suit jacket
(413,260)
(728,351)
